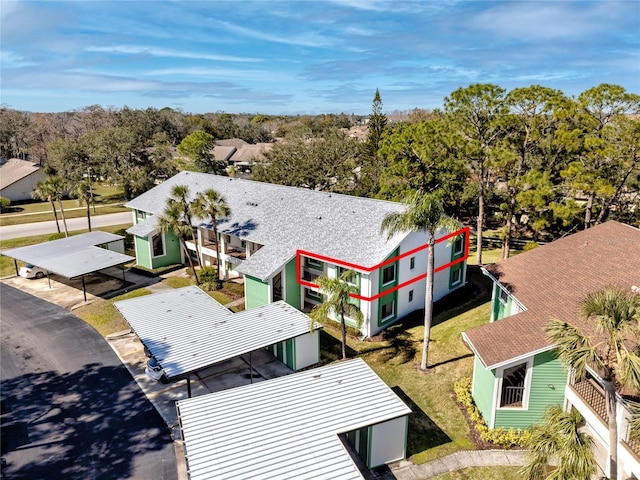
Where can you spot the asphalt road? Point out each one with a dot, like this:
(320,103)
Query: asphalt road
(70,409)
(38,228)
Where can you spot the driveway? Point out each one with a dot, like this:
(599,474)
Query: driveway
(49,226)
(70,410)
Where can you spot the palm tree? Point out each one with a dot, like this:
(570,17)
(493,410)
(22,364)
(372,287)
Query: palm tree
(337,302)
(558,440)
(180,195)
(82,191)
(172,220)
(613,314)
(425,213)
(58,187)
(210,203)
(44,191)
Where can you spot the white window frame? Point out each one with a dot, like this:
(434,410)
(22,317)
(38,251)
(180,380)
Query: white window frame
(412,263)
(458,251)
(504,301)
(410,296)
(164,247)
(455,271)
(527,384)
(314,264)
(393,311)
(395,273)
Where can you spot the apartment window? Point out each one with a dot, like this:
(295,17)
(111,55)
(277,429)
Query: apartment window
(388,310)
(458,245)
(315,264)
(412,263)
(140,215)
(243,244)
(227,239)
(456,275)
(503,295)
(513,386)
(388,274)
(411,295)
(313,295)
(157,245)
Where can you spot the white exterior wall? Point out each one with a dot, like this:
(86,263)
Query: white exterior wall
(117,246)
(22,189)
(307,350)
(388,440)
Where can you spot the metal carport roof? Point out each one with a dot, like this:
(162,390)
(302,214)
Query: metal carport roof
(186,330)
(73,256)
(285,428)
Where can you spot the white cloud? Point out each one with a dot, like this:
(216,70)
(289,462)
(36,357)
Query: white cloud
(160,52)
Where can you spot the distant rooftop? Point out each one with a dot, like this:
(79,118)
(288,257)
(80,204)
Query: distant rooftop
(14,170)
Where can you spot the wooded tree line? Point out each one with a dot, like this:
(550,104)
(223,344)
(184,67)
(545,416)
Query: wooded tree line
(530,162)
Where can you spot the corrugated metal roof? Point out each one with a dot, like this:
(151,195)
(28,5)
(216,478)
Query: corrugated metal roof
(72,256)
(338,226)
(187,330)
(285,428)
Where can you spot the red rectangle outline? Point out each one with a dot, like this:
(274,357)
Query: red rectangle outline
(354,266)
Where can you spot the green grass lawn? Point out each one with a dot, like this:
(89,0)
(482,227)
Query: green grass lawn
(436,426)
(107,199)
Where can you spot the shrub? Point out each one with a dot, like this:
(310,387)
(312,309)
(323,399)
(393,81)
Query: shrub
(4,204)
(208,277)
(530,245)
(501,437)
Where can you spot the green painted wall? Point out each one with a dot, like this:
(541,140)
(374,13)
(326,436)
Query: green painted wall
(483,383)
(391,297)
(292,288)
(547,370)
(143,251)
(256,292)
(500,310)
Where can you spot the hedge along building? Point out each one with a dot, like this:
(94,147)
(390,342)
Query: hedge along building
(516,374)
(280,239)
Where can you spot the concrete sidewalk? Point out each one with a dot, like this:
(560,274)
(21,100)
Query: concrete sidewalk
(457,461)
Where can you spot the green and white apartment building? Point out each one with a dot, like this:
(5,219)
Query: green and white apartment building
(516,373)
(280,239)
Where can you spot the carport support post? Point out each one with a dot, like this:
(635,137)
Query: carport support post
(84,289)
(49,279)
(188,385)
(250,368)
(15,263)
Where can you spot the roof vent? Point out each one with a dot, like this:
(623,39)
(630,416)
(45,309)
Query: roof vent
(252,204)
(319,217)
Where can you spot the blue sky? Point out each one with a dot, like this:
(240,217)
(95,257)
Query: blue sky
(296,57)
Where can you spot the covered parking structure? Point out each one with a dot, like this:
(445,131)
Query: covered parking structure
(186,331)
(302,426)
(75,257)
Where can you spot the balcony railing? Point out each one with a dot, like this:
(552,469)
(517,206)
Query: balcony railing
(512,396)
(310,274)
(593,396)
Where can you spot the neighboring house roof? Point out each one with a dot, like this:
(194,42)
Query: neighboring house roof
(550,282)
(223,153)
(186,330)
(250,152)
(14,170)
(231,142)
(285,219)
(286,428)
(74,256)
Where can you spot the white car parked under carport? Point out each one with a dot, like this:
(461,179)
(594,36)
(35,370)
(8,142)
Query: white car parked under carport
(31,271)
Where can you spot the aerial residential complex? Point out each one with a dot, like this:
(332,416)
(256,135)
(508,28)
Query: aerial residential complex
(280,239)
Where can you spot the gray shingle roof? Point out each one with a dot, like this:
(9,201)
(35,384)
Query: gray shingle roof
(284,219)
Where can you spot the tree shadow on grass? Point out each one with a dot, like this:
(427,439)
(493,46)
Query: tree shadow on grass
(423,433)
